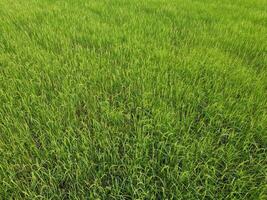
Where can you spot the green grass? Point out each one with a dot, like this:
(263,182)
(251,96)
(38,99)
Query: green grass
(141,99)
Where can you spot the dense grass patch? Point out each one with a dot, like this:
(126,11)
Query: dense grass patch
(154,99)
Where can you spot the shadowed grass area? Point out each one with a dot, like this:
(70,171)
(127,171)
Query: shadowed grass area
(155,99)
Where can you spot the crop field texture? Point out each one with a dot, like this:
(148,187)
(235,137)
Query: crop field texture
(140,99)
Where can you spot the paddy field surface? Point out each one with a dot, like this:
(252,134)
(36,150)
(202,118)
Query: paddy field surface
(141,99)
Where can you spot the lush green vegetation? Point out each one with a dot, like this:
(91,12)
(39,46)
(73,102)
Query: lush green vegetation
(141,99)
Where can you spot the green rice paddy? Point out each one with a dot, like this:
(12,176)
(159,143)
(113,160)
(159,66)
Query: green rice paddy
(141,99)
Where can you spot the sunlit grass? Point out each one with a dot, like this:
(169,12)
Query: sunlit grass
(155,99)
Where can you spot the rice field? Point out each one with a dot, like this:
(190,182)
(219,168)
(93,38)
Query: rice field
(141,99)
